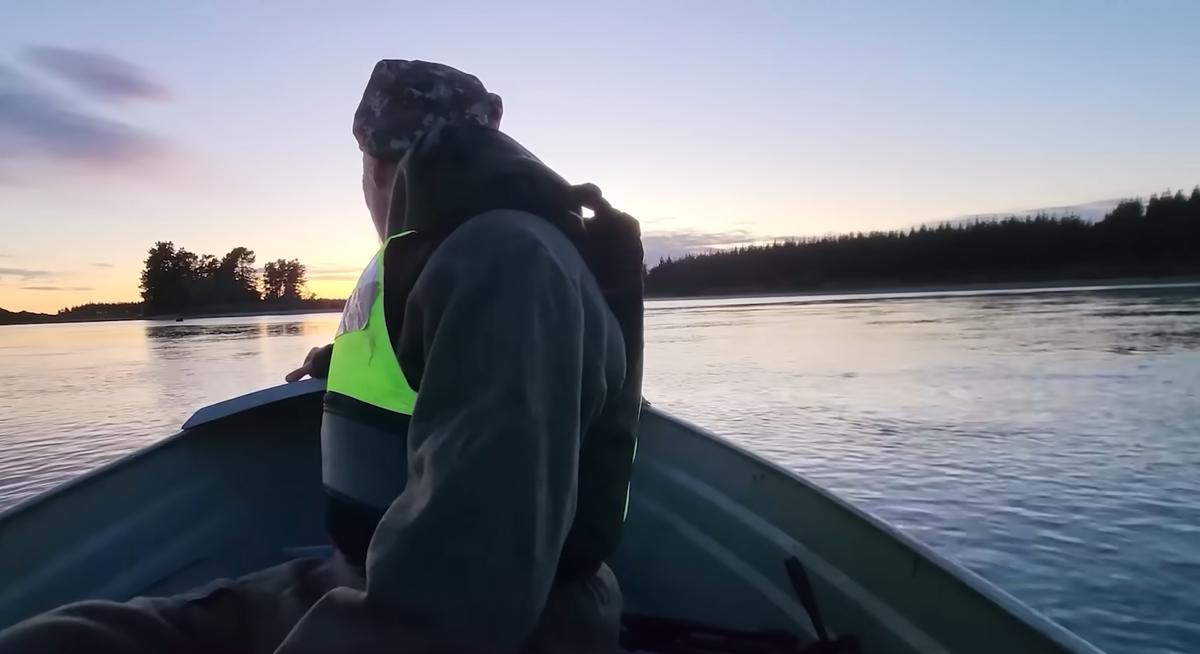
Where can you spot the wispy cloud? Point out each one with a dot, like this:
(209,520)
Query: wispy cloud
(676,243)
(103,265)
(25,274)
(333,273)
(1093,211)
(98,73)
(57,288)
(39,127)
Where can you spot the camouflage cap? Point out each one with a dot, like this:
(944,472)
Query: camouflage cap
(403,99)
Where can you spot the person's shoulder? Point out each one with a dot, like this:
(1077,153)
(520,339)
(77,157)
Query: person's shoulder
(510,237)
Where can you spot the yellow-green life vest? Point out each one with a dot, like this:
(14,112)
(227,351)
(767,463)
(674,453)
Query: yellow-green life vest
(364,366)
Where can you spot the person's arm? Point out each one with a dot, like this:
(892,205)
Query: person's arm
(464,559)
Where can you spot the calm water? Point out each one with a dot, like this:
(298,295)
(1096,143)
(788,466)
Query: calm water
(1049,441)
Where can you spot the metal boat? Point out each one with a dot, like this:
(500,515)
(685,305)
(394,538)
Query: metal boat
(718,544)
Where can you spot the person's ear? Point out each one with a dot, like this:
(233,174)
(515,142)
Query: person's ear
(380,173)
(496,111)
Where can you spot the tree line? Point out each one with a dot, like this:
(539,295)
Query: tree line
(175,280)
(1160,237)
(1156,238)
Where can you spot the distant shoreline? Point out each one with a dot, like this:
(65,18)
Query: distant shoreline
(51,319)
(1115,283)
(1119,282)
(240,314)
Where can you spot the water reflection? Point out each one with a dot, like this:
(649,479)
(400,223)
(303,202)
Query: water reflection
(1158,341)
(231,331)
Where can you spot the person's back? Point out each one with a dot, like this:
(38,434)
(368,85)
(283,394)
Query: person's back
(509,272)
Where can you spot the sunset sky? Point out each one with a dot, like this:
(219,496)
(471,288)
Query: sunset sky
(217,124)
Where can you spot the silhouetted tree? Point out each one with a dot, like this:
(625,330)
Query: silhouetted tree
(236,277)
(294,279)
(273,280)
(166,278)
(1126,212)
(283,279)
(204,286)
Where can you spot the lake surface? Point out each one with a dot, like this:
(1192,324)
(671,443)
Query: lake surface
(1049,441)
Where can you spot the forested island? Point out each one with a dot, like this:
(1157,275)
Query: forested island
(1160,238)
(177,283)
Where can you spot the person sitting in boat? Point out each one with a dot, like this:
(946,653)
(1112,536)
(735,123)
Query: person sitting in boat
(482,402)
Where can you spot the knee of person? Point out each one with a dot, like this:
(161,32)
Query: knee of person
(75,627)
